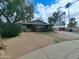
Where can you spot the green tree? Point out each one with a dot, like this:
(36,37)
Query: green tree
(29,11)
(72,23)
(63,23)
(50,19)
(17,9)
(55,19)
(62,19)
(14,11)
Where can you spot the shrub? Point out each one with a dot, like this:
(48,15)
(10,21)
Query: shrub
(59,40)
(10,30)
(1,24)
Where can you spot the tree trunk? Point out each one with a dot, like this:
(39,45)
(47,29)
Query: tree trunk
(5,16)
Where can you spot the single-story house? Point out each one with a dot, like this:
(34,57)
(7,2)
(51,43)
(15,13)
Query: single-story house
(35,25)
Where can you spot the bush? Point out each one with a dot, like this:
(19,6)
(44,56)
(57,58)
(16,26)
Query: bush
(1,24)
(10,30)
(50,29)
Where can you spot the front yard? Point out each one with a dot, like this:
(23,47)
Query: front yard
(25,43)
(29,41)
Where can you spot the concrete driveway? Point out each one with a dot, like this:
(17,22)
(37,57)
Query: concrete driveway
(65,50)
(68,35)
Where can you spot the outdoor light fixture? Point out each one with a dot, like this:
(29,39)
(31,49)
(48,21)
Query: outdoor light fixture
(67,6)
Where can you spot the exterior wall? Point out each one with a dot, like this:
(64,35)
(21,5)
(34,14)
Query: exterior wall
(35,28)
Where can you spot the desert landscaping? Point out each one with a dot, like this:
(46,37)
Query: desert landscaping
(39,29)
(30,41)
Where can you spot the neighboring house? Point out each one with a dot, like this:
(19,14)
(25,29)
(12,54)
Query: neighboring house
(36,25)
(60,28)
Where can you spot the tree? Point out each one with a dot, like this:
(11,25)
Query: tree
(29,12)
(14,11)
(17,9)
(63,23)
(62,19)
(50,19)
(72,23)
(55,18)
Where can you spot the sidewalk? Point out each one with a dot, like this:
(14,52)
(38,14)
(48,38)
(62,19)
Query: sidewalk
(65,50)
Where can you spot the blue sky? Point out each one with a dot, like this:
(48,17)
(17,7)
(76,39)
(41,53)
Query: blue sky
(45,8)
(45,2)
